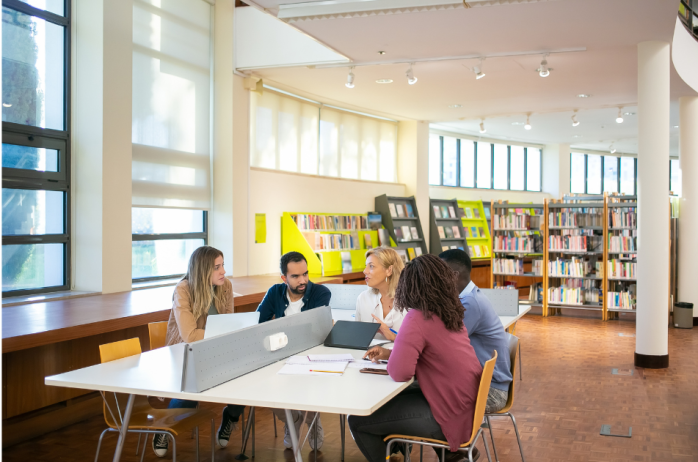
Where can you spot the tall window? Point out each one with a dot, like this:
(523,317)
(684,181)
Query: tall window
(36,156)
(471,164)
(674,177)
(596,174)
(627,176)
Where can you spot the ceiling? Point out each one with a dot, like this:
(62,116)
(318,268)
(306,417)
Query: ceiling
(608,31)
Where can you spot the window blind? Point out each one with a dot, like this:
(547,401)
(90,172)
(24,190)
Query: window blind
(171,104)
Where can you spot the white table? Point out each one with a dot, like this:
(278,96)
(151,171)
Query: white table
(159,373)
(508,321)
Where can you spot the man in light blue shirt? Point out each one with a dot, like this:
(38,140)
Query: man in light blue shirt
(484,328)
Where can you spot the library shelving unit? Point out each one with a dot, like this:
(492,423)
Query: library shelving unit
(328,240)
(477,230)
(400,216)
(446,227)
(574,277)
(519,252)
(621,255)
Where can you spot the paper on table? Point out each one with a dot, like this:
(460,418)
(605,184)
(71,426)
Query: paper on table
(331,369)
(362,363)
(331,358)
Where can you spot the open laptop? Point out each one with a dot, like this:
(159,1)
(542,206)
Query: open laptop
(225,323)
(352,334)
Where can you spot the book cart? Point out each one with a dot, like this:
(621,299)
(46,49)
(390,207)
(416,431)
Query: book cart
(519,251)
(446,227)
(400,218)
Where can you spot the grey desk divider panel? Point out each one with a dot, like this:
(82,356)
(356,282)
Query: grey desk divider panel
(504,301)
(344,295)
(213,361)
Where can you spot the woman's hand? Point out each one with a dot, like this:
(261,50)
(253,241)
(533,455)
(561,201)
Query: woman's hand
(378,353)
(384,329)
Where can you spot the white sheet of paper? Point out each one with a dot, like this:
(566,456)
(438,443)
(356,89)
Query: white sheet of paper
(362,363)
(331,358)
(330,369)
(226,323)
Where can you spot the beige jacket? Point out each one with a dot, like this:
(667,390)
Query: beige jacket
(182,327)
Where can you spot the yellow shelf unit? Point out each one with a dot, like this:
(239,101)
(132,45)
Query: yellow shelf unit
(322,261)
(480,224)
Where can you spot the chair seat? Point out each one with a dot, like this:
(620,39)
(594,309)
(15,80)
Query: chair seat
(172,420)
(418,438)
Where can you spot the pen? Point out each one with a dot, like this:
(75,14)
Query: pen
(329,372)
(393,331)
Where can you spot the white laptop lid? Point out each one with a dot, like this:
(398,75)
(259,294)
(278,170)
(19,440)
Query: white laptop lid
(225,323)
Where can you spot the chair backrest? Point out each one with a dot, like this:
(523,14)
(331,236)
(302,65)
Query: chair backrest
(158,334)
(482,393)
(344,295)
(513,350)
(117,350)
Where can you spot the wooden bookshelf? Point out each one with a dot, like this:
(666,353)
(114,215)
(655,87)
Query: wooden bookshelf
(444,219)
(476,219)
(518,242)
(393,220)
(620,254)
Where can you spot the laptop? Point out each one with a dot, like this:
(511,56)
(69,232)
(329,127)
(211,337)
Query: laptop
(352,334)
(226,323)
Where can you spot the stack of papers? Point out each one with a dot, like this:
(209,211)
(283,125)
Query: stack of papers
(333,365)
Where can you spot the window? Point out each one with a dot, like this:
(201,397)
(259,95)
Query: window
(483,165)
(518,161)
(450,159)
(467,163)
(610,174)
(434,159)
(533,169)
(595,174)
(577,173)
(627,176)
(674,177)
(501,166)
(36,156)
(163,240)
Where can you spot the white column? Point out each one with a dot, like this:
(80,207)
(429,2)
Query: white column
(413,166)
(688,208)
(101,145)
(651,343)
(242,215)
(556,170)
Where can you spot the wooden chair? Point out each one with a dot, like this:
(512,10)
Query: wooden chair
(144,418)
(479,413)
(158,334)
(513,348)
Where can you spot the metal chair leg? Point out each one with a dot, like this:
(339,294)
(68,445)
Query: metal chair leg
(518,437)
(99,443)
(494,448)
(139,442)
(342,423)
(315,425)
(174,447)
(145,445)
(196,430)
(274,417)
(421,452)
(487,449)
(520,364)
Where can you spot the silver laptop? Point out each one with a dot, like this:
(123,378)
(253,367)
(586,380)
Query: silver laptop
(226,323)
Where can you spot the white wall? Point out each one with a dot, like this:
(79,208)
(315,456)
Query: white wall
(684,50)
(486,195)
(274,192)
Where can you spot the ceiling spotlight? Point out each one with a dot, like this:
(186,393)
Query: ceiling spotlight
(455,106)
(411,79)
(350,78)
(6,105)
(482,126)
(583,95)
(612,149)
(381,52)
(477,70)
(619,119)
(575,122)
(528,123)
(544,70)
(384,81)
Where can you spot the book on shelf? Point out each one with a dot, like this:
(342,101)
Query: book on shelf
(367,241)
(466,232)
(415,234)
(399,235)
(620,269)
(403,255)
(576,240)
(308,222)
(624,299)
(400,210)
(473,231)
(449,232)
(451,211)
(584,218)
(454,246)
(621,244)
(411,253)
(418,251)
(513,244)
(535,293)
(442,233)
(485,251)
(477,213)
(393,210)
(478,251)
(574,267)
(374,221)
(383,237)
(406,233)
(456,231)
(508,266)
(437,212)
(409,211)
(319,241)
(576,292)
(468,212)
(444,248)
(461,212)
(514,221)
(346,262)
(482,231)
(471,251)
(619,218)
(444,212)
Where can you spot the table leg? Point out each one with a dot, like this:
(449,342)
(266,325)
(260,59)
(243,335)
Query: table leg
(124,428)
(342,422)
(294,437)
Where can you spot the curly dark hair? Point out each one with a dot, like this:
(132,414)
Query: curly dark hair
(427,284)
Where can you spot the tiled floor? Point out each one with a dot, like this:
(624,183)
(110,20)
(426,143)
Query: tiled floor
(568,392)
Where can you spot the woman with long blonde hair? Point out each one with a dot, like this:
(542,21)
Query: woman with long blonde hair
(204,291)
(383,268)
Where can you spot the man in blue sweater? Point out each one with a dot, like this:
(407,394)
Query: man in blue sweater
(295,295)
(484,328)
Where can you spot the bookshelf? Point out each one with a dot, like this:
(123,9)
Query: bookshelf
(328,241)
(476,221)
(518,247)
(446,227)
(400,216)
(621,255)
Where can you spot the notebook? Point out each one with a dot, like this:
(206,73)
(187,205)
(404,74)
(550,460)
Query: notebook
(225,323)
(352,334)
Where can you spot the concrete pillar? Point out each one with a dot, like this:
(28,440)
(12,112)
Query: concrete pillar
(413,166)
(556,170)
(651,343)
(688,206)
(101,145)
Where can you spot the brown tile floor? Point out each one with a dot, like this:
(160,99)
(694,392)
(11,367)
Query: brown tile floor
(567,393)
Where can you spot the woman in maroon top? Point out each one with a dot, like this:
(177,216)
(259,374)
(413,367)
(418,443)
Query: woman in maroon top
(433,347)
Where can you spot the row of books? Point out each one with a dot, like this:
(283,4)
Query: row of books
(575,243)
(472,214)
(621,269)
(516,266)
(319,241)
(409,253)
(512,221)
(407,233)
(625,300)
(513,244)
(401,210)
(449,247)
(621,244)
(330,222)
(569,295)
(446,232)
(478,251)
(442,211)
(575,219)
(575,267)
(622,219)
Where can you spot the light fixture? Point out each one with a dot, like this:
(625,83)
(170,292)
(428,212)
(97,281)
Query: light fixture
(455,106)
(477,70)
(544,70)
(411,79)
(575,122)
(612,149)
(619,119)
(381,52)
(629,113)
(350,78)
(517,123)
(583,95)
(6,105)
(384,81)
(528,122)
(482,126)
